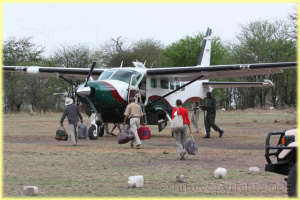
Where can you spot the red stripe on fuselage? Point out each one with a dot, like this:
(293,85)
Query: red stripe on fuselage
(154,97)
(193,99)
(114,93)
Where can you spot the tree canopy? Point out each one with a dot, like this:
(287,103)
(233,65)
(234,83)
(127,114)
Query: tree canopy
(186,52)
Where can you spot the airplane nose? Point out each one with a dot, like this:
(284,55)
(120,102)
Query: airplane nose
(84,91)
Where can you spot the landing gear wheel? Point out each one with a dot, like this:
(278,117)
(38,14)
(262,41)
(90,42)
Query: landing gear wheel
(292,182)
(93,135)
(100,128)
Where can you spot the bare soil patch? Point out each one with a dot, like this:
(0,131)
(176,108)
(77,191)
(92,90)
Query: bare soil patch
(31,156)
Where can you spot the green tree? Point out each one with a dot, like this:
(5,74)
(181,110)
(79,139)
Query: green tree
(116,51)
(186,52)
(17,52)
(293,24)
(23,91)
(263,41)
(149,51)
(77,56)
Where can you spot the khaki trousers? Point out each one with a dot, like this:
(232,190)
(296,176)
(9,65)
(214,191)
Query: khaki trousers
(134,124)
(195,121)
(73,132)
(180,139)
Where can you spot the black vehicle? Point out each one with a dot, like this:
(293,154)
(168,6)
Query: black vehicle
(285,156)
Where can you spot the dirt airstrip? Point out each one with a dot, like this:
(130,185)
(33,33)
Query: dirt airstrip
(31,156)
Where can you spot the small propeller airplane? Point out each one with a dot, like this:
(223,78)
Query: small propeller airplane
(106,98)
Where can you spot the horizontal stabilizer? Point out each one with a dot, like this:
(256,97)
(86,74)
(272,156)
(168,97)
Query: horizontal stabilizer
(266,83)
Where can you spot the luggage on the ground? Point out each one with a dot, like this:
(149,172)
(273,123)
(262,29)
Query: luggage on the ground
(125,136)
(61,134)
(82,131)
(144,133)
(191,146)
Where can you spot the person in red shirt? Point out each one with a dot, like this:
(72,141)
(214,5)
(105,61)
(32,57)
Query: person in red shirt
(181,135)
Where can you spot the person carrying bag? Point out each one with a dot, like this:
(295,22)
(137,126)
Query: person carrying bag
(179,134)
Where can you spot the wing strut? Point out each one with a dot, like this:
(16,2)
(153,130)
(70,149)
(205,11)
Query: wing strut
(176,90)
(72,83)
(94,109)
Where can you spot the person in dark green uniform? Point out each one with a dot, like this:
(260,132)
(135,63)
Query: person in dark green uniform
(210,107)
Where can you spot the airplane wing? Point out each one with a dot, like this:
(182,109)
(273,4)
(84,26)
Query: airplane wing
(76,73)
(175,73)
(220,71)
(213,84)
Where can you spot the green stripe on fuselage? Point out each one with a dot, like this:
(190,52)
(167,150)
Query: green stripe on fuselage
(103,97)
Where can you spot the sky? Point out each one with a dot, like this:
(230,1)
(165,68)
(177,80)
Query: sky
(92,24)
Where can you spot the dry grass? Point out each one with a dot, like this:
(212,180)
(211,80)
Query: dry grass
(102,167)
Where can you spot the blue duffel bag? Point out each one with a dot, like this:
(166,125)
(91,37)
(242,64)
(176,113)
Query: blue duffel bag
(191,146)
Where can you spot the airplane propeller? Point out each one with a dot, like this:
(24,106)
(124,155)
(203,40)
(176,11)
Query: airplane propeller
(85,91)
(90,73)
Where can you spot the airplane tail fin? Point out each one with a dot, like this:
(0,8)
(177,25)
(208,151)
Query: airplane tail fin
(204,60)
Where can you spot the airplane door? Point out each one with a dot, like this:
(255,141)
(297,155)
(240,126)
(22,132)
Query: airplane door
(133,87)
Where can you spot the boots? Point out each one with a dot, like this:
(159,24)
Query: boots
(221,133)
(207,135)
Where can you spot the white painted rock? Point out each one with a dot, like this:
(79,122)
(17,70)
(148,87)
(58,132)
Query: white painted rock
(220,172)
(253,170)
(135,181)
(30,190)
(180,179)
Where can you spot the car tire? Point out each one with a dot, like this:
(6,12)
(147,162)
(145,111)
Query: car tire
(292,181)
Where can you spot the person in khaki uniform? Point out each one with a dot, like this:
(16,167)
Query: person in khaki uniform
(134,113)
(195,116)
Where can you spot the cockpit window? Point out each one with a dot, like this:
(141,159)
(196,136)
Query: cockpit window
(106,74)
(120,75)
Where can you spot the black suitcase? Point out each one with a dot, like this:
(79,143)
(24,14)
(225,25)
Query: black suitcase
(61,135)
(82,131)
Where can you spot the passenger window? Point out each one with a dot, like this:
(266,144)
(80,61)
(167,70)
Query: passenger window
(181,84)
(153,83)
(164,84)
(177,85)
(172,86)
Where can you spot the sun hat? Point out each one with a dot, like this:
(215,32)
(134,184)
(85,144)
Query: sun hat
(68,101)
